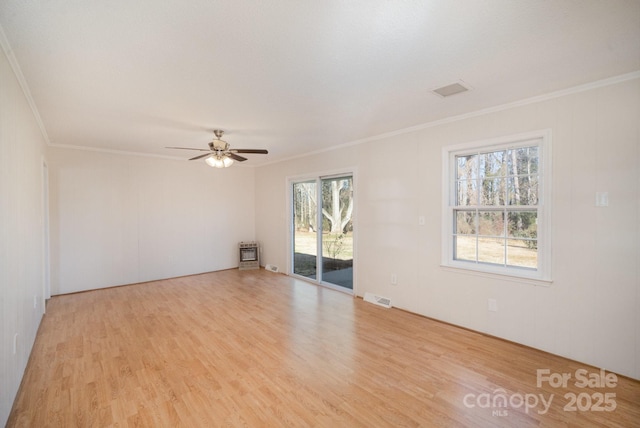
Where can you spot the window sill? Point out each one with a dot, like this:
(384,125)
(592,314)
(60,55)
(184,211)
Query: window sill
(497,275)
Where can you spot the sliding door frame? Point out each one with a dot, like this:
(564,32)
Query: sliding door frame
(318,177)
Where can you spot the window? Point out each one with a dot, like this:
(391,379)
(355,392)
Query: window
(496,206)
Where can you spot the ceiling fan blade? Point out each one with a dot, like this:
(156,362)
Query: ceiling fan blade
(236,157)
(256,151)
(201,156)
(188,148)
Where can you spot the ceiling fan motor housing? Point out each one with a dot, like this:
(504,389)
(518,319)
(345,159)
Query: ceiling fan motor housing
(219,145)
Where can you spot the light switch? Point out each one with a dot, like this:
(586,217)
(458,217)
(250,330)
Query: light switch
(602,199)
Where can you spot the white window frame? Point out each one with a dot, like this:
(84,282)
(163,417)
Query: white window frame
(542,139)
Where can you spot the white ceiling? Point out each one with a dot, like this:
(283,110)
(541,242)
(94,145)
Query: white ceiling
(297,76)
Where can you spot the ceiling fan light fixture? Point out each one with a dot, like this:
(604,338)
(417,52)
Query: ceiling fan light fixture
(220,155)
(217,161)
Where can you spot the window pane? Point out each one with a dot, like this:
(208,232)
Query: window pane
(464,247)
(491,223)
(523,224)
(522,253)
(491,250)
(465,222)
(493,164)
(493,191)
(467,192)
(467,167)
(305,248)
(523,190)
(523,161)
(337,236)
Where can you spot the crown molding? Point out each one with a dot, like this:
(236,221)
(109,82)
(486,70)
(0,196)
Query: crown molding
(552,95)
(128,153)
(8,52)
(540,98)
(114,152)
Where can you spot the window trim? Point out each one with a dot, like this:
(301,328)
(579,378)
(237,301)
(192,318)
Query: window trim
(543,274)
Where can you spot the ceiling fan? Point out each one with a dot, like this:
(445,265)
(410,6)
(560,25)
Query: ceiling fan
(219,154)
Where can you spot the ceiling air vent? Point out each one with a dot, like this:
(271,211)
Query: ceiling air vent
(452,89)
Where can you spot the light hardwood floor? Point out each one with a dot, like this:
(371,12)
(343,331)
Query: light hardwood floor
(259,349)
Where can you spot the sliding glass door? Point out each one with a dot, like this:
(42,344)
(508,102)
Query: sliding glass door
(305,230)
(322,223)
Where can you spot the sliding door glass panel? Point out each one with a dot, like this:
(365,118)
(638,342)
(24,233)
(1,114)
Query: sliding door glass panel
(305,229)
(337,231)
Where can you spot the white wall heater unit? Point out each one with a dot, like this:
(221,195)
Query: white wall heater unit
(249,255)
(377,300)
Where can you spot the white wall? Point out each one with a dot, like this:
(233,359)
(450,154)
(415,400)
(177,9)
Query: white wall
(589,313)
(22,150)
(119,219)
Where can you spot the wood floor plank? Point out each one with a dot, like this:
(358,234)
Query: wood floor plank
(254,348)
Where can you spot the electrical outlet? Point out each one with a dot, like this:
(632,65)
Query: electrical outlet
(15,343)
(492,305)
(394,279)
